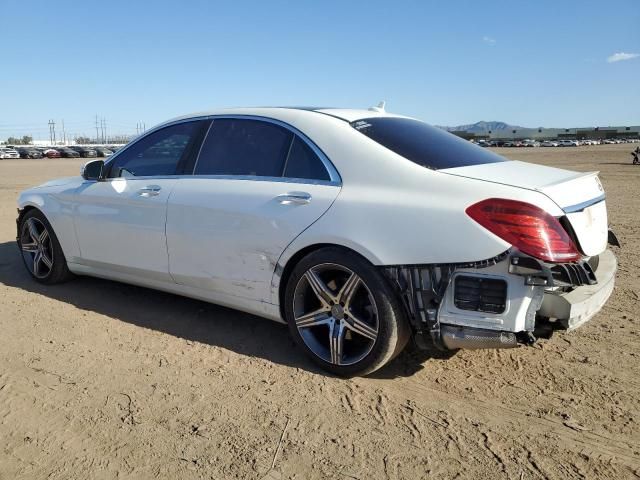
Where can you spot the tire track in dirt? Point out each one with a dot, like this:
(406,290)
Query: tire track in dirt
(499,416)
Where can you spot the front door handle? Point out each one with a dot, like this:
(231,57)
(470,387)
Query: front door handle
(294,198)
(150,191)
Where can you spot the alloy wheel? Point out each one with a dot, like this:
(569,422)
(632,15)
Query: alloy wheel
(36,246)
(335,314)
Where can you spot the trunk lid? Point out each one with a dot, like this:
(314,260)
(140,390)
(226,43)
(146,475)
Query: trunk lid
(579,194)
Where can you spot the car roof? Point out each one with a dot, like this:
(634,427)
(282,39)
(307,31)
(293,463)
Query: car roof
(345,114)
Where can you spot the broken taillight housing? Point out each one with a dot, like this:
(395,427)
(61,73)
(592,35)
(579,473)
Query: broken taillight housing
(527,227)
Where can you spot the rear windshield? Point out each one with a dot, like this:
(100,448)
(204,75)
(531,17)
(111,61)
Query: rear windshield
(423,144)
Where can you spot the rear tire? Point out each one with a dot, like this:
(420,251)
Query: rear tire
(343,313)
(40,249)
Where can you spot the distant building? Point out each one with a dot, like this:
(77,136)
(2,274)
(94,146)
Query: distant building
(590,133)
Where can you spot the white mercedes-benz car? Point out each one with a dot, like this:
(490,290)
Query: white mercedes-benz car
(359,228)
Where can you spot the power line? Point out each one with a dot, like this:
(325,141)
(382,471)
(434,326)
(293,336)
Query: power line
(52,132)
(104,131)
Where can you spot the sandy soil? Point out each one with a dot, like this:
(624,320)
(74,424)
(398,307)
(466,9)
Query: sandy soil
(103,380)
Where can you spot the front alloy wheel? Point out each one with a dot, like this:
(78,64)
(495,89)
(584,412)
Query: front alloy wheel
(40,249)
(37,250)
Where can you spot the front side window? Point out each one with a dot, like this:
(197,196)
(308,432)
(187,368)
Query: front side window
(244,147)
(423,144)
(159,153)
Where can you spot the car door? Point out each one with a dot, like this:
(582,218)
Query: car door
(120,220)
(256,186)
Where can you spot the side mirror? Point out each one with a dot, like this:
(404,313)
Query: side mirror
(92,170)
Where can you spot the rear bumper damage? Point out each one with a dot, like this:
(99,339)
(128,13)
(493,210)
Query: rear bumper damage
(501,302)
(578,306)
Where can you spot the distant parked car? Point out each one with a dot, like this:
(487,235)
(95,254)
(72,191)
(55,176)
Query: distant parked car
(549,143)
(51,153)
(85,152)
(67,152)
(568,143)
(8,153)
(103,151)
(29,152)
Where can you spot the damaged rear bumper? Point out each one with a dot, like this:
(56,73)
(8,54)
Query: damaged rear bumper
(503,301)
(578,306)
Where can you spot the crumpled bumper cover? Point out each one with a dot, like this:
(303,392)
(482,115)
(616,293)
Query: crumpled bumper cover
(578,306)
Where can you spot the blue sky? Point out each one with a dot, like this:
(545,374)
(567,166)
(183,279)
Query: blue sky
(528,63)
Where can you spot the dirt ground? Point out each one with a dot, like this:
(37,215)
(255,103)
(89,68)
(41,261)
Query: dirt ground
(103,380)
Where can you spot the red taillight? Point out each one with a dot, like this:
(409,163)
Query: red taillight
(527,227)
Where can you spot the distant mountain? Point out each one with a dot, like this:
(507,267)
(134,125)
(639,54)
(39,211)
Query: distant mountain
(482,127)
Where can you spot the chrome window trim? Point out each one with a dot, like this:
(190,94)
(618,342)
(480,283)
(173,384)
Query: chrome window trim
(581,206)
(253,178)
(334,176)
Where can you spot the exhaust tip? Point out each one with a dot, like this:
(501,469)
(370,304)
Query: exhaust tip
(455,338)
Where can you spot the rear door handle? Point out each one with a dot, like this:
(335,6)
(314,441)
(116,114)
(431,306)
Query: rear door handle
(150,191)
(294,198)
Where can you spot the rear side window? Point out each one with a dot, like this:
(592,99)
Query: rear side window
(244,147)
(302,162)
(423,144)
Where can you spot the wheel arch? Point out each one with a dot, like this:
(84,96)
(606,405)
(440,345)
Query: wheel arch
(283,271)
(23,210)
(58,217)
(26,208)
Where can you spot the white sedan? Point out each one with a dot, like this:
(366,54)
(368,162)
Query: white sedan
(358,228)
(9,153)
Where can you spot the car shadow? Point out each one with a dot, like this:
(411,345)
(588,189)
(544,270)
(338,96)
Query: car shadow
(183,317)
(411,361)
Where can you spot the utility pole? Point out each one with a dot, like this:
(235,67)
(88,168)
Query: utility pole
(64,133)
(50,132)
(53,128)
(97,134)
(103,124)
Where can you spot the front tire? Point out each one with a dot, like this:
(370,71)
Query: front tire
(343,313)
(41,251)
